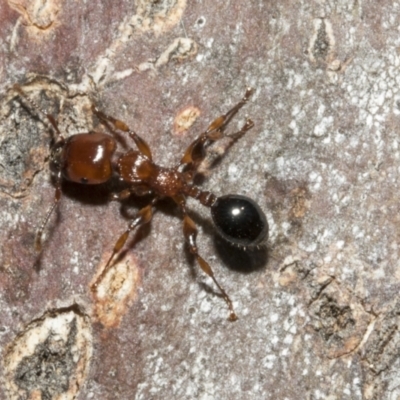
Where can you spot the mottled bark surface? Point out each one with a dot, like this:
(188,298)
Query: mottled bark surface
(318,310)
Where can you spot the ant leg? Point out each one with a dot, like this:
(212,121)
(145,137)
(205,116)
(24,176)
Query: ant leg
(221,122)
(190,233)
(138,190)
(55,127)
(57,197)
(143,217)
(123,195)
(215,153)
(195,153)
(51,119)
(140,143)
(239,134)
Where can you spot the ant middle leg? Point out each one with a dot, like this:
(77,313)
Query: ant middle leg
(143,217)
(190,233)
(137,190)
(140,143)
(195,154)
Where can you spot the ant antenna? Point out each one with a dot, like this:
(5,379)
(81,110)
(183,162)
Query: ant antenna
(31,105)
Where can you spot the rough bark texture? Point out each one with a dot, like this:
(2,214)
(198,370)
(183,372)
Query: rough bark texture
(318,310)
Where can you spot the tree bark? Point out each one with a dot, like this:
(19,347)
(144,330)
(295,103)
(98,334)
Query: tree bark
(318,309)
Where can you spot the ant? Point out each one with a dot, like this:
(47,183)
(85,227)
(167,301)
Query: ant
(87,158)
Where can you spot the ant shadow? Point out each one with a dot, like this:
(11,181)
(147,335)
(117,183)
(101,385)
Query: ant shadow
(87,194)
(241,260)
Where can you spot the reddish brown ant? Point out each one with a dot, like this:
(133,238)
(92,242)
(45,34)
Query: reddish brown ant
(87,158)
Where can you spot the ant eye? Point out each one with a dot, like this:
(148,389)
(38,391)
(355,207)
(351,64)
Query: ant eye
(239,220)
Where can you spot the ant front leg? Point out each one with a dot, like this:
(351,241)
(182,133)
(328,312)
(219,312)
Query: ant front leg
(143,217)
(55,148)
(190,233)
(196,153)
(140,143)
(57,197)
(57,194)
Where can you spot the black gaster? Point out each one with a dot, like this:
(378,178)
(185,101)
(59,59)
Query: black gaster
(239,220)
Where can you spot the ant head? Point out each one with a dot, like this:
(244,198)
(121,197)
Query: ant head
(239,220)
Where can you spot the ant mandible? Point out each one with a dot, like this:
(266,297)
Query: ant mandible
(86,158)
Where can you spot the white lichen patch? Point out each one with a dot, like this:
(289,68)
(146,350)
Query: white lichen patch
(37,17)
(50,357)
(150,17)
(323,126)
(322,42)
(179,50)
(185,118)
(116,290)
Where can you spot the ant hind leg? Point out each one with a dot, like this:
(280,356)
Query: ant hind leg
(190,233)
